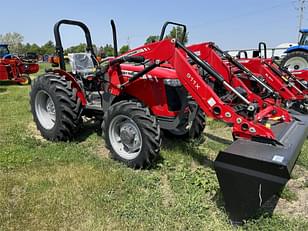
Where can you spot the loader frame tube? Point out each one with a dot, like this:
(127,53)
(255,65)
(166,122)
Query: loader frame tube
(212,72)
(241,67)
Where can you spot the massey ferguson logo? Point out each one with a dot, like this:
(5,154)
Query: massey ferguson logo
(141,50)
(193,81)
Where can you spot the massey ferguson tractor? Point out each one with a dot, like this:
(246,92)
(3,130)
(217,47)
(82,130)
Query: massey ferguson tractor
(14,69)
(278,76)
(165,86)
(261,76)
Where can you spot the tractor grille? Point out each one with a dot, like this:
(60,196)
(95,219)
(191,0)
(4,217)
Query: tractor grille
(173,97)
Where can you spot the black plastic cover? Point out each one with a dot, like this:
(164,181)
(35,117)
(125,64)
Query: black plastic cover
(250,173)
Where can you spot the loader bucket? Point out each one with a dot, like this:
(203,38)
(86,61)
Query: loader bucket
(250,173)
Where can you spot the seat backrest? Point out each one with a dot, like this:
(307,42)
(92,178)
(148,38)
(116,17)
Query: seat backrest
(81,63)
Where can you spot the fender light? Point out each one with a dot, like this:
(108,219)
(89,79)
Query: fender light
(172,82)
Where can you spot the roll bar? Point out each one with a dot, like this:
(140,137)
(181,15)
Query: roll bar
(59,46)
(163,30)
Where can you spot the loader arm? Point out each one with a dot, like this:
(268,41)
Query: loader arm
(175,54)
(284,77)
(225,64)
(292,77)
(281,72)
(255,74)
(286,89)
(209,55)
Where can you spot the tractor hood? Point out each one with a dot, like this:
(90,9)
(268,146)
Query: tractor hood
(297,48)
(303,30)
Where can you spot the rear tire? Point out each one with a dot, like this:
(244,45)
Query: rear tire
(131,134)
(297,60)
(55,107)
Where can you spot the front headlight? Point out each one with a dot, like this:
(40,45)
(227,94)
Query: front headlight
(172,82)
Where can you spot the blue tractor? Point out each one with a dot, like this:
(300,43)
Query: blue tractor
(4,50)
(297,56)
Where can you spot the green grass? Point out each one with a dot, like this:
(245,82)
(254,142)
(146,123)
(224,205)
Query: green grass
(75,186)
(288,194)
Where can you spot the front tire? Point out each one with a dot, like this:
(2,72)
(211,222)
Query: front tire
(295,61)
(55,107)
(131,134)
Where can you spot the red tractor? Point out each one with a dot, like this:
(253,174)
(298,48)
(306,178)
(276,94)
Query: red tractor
(275,73)
(12,68)
(261,76)
(301,76)
(164,85)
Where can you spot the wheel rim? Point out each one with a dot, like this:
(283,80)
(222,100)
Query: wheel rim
(45,110)
(296,63)
(125,137)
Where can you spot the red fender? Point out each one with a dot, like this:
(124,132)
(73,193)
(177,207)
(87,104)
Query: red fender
(80,93)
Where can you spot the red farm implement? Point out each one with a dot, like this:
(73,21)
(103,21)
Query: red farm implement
(14,69)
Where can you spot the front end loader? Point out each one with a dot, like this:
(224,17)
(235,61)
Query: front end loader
(260,76)
(292,90)
(300,77)
(296,80)
(259,163)
(170,87)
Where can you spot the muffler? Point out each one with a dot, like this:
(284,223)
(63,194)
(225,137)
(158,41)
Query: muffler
(250,172)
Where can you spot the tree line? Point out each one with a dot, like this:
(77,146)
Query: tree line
(17,45)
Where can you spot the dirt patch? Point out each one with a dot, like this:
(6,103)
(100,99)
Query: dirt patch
(4,91)
(194,165)
(299,186)
(34,132)
(101,151)
(86,130)
(167,194)
(16,195)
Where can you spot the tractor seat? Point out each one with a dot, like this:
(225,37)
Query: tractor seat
(81,64)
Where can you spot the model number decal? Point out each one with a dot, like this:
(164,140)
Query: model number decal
(130,74)
(211,102)
(278,158)
(193,81)
(137,51)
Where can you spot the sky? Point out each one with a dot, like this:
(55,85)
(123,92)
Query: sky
(231,24)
